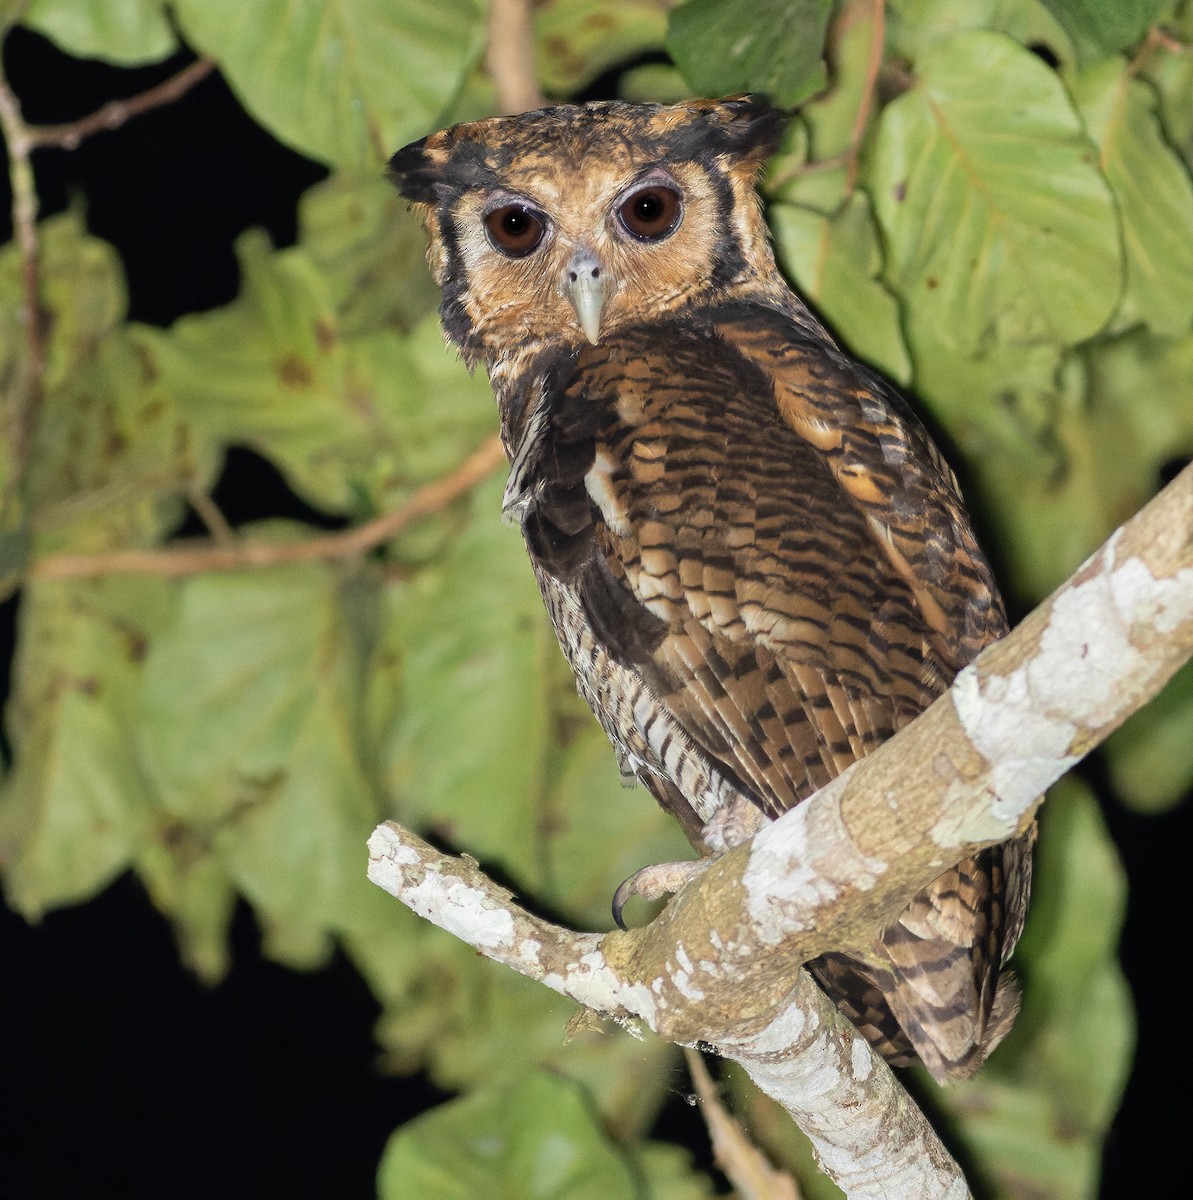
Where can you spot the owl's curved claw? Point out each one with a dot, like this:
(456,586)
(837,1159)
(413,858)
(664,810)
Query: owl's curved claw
(656,881)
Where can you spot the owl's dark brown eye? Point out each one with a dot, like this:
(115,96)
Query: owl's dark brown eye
(652,213)
(515,230)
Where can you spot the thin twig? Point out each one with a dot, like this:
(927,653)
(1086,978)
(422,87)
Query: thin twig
(510,56)
(179,561)
(866,105)
(17,136)
(206,509)
(116,112)
(745,1166)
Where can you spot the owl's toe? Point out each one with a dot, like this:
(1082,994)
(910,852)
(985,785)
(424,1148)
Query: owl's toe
(656,881)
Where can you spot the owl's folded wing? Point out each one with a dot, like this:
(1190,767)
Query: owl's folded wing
(769,540)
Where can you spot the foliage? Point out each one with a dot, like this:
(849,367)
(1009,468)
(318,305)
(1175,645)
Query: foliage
(1008,239)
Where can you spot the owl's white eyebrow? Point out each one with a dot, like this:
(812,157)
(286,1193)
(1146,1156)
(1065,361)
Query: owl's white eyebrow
(654,175)
(501,197)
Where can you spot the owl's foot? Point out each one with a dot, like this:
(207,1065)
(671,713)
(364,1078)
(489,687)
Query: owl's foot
(656,881)
(729,826)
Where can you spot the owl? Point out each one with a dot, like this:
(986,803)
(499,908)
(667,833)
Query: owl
(757,562)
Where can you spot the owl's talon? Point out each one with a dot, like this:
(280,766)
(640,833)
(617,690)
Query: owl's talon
(655,881)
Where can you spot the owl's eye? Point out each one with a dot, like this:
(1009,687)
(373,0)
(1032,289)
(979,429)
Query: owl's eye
(515,230)
(652,213)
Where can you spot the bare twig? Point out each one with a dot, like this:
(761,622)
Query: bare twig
(718,964)
(866,105)
(178,561)
(17,137)
(116,112)
(1158,38)
(744,1165)
(510,56)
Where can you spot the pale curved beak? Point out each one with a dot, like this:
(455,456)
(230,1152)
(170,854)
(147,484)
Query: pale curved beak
(586,285)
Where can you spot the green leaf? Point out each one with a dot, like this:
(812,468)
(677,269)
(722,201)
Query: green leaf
(1170,71)
(577,40)
(111,456)
(120,31)
(353,420)
(77,804)
(481,668)
(835,262)
(999,226)
(669,1175)
(537,1139)
(1100,28)
(370,250)
(249,726)
(913,24)
(346,82)
(1036,1115)
(1153,191)
(770,46)
(1151,756)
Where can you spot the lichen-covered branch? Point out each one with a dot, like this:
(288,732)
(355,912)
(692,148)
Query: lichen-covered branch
(718,965)
(870,1137)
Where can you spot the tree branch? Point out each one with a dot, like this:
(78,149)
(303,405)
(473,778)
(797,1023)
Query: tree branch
(116,112)
(717,965)
(510,56)
(176,562)
(27,387)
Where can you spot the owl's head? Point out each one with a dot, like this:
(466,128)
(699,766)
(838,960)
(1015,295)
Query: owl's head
(569,222)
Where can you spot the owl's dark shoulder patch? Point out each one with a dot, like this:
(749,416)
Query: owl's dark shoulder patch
(569,407)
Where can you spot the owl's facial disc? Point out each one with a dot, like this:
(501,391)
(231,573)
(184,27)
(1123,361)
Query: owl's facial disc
(586,284)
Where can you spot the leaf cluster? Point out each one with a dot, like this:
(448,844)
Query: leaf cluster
(990,201)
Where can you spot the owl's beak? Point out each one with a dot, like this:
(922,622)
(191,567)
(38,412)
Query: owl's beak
(586,285)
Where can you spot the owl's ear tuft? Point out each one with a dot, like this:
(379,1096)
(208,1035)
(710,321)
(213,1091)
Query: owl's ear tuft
(441,166)
(753,126)
(746,129)
(414,172)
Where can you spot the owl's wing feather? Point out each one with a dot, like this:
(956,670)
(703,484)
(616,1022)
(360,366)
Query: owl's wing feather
(751,551)
(765,534)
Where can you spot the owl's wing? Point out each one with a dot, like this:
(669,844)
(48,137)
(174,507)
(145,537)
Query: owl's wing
(764,533)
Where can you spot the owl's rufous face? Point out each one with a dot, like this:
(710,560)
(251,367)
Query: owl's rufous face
(572,222)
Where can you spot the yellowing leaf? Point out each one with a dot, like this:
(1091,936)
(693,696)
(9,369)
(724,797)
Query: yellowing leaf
(77,804)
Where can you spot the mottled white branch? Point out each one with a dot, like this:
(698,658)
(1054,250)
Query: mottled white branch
(719,963)
(868,1134)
